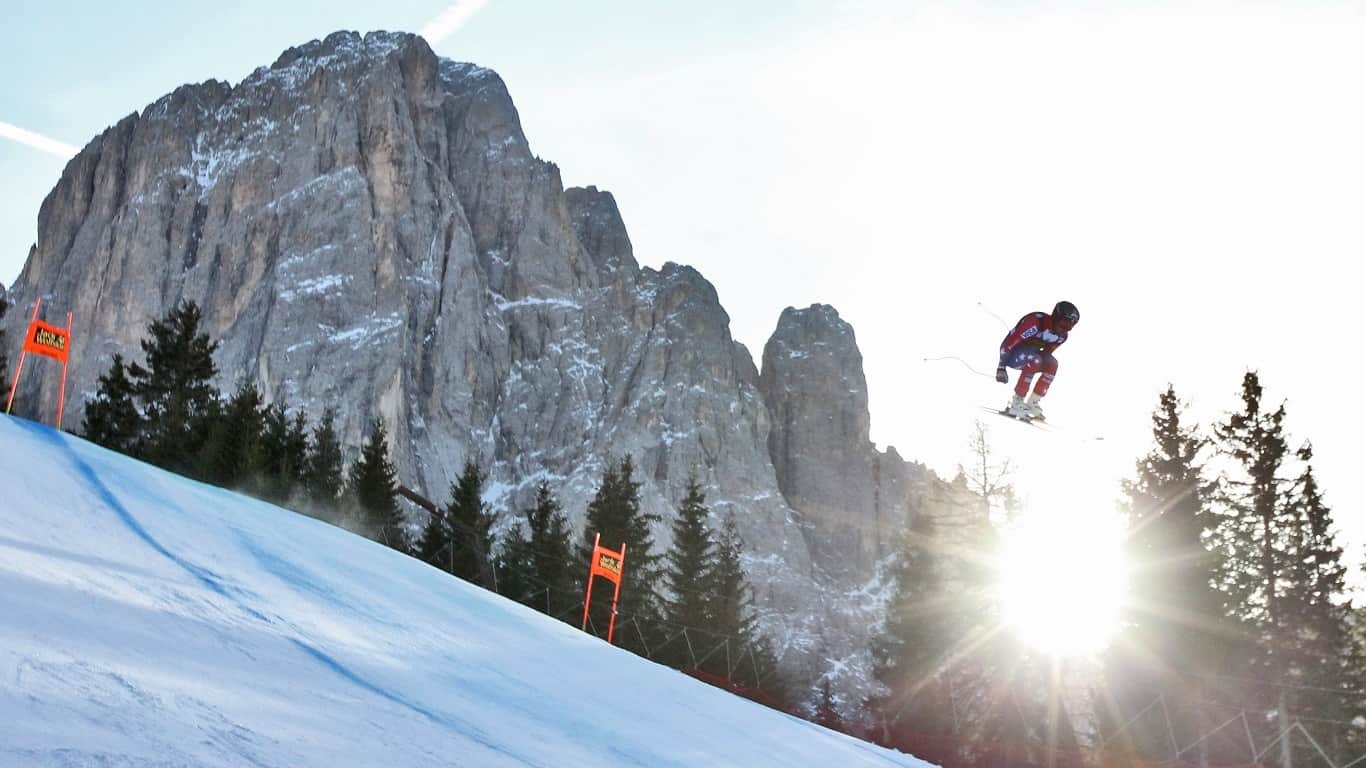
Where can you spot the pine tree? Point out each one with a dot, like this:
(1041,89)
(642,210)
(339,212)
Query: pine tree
(175,389)
(912,657)
(284,454)
(748,658)
(615,514)
(231,454)
(471,525)
(515,567)
(537,566)
(826,714)
(1356,739)
(322,472)
(111,418)
(947,674)
(436,545)
(1317,649)
(940,644)
(1284,573)
(373,482)
(688,574)
(1176,625)
(552,556)
(1258,521)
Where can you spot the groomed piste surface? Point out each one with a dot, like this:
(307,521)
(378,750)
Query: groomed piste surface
(148,620)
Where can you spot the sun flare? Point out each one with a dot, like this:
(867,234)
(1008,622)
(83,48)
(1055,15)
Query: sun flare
(1062,581)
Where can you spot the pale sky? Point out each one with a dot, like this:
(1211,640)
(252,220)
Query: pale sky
(1191,174)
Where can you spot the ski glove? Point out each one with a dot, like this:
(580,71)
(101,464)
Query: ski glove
(1001,374)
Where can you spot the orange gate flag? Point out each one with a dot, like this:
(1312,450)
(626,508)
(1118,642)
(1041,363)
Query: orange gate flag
(608,564)
(49,341)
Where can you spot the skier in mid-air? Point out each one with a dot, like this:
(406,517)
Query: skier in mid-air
(1029,348)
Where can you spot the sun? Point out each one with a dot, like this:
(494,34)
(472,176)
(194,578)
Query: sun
(1062,581)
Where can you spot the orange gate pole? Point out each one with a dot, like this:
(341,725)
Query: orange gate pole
(61,393)
(23,354)
(588,598)
(612,625)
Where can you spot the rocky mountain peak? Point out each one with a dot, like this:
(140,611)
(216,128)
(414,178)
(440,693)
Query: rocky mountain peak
(365,227)
(351,44)
(817,345)
(600,229)
(812,381)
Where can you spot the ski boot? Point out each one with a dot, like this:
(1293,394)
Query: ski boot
(1018,408)
(1033,410)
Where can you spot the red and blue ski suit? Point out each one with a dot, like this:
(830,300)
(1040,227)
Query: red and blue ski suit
(1029,347)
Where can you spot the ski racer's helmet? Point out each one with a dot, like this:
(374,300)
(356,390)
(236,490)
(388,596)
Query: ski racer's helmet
(1065,315)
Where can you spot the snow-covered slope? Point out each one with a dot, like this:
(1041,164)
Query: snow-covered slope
(147,620)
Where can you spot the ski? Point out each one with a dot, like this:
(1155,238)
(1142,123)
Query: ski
(1036,423)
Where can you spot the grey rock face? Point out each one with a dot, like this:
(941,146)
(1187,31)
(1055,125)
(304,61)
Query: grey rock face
(365,227)
(853,498)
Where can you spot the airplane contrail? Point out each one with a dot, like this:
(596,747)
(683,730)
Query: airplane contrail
(449,21)
(37,141)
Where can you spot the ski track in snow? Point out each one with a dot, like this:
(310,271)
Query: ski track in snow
(213,582)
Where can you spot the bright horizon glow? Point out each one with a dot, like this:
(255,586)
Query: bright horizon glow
(1062,580)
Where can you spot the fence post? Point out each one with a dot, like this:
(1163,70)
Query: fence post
(1287,754)
(1171,732)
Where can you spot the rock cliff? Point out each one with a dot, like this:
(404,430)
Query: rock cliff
(365,226)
